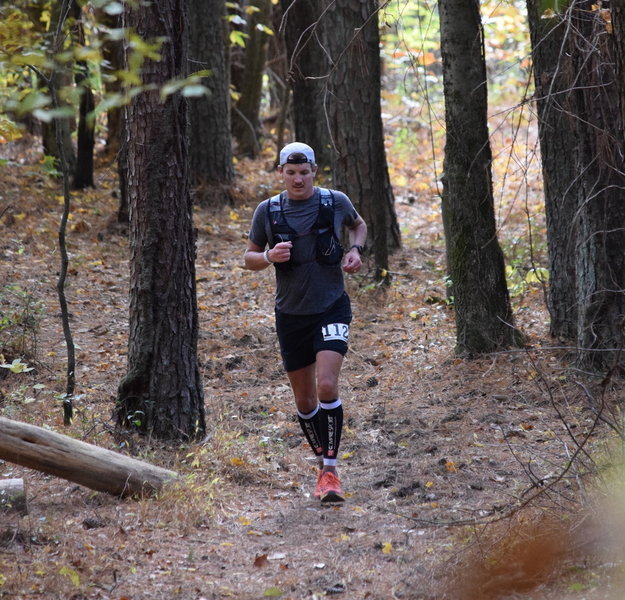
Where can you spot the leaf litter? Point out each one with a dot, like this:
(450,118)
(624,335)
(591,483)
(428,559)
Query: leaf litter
(435,446)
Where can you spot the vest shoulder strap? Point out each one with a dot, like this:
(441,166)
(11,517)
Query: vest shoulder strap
(326,197)
(274,203)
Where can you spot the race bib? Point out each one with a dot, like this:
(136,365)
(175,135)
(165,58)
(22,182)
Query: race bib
(335,331)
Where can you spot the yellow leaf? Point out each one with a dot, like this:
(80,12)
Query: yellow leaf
(450,465)
(20,216)
(347,455)
(3,579)
(429,484)
(75,577)
(400,180)
(236,461)
(244,521)
(387,548)
(234,216)
(428,58)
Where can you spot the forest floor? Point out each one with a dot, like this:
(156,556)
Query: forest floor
(454,469)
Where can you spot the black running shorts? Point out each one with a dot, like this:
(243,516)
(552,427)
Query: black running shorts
(302,336)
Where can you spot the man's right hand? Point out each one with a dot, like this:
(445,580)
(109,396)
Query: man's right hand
(281,252)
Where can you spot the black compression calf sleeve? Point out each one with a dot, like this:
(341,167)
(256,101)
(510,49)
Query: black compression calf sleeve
(311,426)
(331,427)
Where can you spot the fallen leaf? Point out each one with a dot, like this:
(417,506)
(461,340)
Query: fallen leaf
(75,577)
(450,465)
(261,561)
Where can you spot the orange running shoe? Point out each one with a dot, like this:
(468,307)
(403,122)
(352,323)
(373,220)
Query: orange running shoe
(317,493)
(329,488)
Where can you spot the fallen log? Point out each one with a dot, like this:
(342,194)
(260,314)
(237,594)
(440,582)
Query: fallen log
(94,467)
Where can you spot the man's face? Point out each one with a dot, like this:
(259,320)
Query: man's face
(299,180)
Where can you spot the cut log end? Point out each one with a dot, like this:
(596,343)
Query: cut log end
(13,496)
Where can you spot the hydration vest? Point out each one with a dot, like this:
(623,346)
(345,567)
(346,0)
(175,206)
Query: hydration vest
(328,249)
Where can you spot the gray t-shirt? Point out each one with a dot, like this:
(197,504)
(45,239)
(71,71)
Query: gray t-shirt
(308,288)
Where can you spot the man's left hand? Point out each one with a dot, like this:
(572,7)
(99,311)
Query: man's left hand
(352,261)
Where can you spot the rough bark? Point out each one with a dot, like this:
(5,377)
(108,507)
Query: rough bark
(211,165)
(60,77)
(162,393)
(308,69)
(112,53)
(475,261)
(600,156)
(554,80)
(83,170)
(359,164)
(94,467)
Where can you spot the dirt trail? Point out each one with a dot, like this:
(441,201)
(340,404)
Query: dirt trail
(432,443)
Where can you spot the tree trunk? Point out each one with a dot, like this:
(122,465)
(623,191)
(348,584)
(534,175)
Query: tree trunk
(60,78)
(618,22)
(94,467)
(210,139)
(123,211)
(83,170)
(162,393)
(308,69)
(475,260)
(600,158)
(112,53)
(245,119)
(554,77)
(359,166)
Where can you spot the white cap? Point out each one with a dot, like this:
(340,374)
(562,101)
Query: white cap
(297,147)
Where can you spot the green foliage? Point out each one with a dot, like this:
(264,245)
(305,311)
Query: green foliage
(190,86)
(16,366)
(49,166)
(28,63)
(550,8)
(19,322)
(520,279)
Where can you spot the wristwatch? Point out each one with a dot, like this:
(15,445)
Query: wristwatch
(359,248)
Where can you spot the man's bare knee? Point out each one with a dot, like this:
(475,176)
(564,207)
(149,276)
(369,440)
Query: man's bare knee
(327,388)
